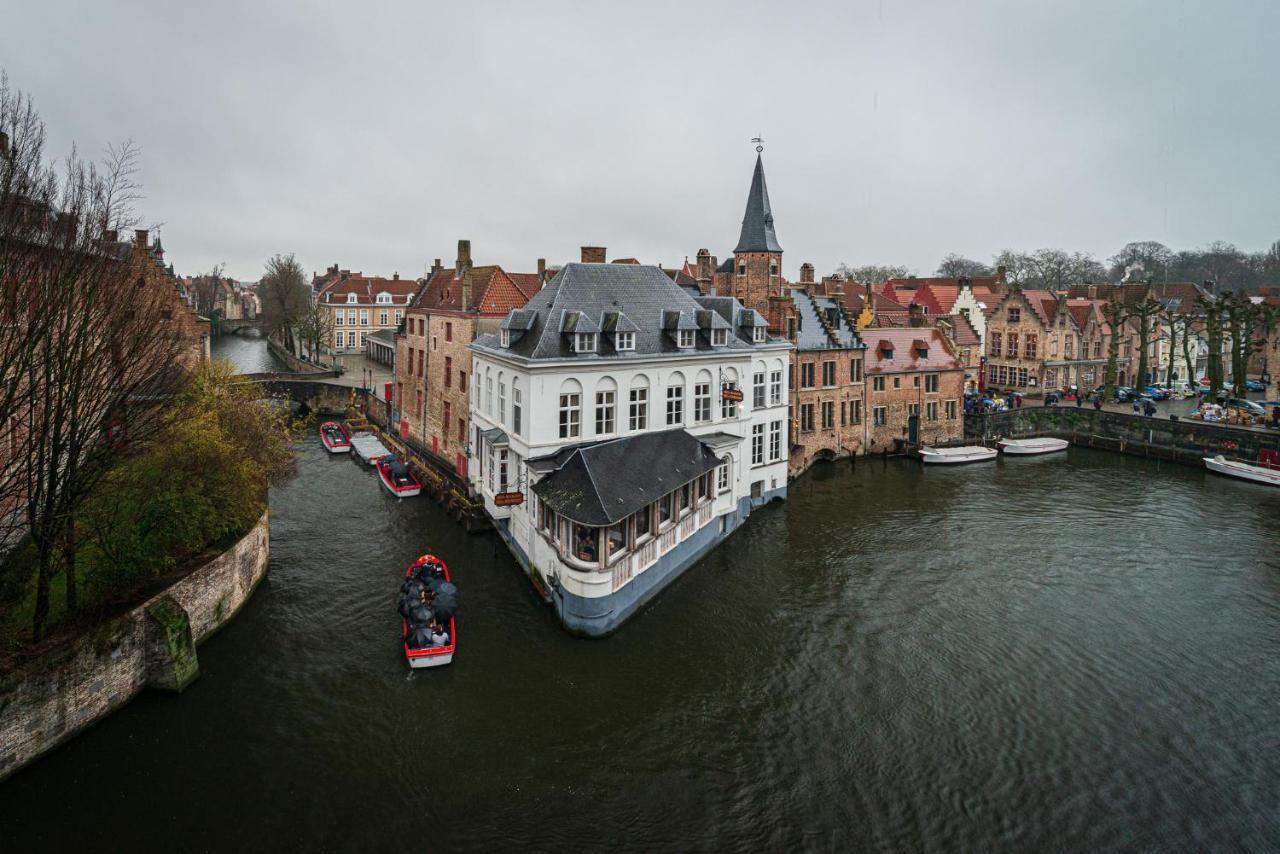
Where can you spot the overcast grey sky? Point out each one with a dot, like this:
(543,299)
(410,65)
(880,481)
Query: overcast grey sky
(375,135)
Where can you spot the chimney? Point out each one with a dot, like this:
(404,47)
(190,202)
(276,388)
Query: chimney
(140,237)
(542,268)
(593,254)
(109,235)
(915,314)
(806,273)
(464,258)
(437,266)
(395,277)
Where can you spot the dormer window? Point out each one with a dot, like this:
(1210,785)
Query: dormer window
(584,342)
(757,334)
(384,299)
(719,337)
(504,337)
(624,341)
(351,299)
(886,353)
(922,353)
(684,339)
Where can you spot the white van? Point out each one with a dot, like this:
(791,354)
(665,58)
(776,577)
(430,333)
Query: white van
(1181,388)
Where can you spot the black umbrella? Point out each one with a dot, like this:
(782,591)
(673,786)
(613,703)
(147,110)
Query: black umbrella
(420,615)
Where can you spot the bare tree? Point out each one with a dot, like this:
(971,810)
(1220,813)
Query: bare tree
(957,266)
(208,289)
(98,329)
(1140,261)
(285,297)
(314,328)
(1115,314)
(1147,313)
(872,274)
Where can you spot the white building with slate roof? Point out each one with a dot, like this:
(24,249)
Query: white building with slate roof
(609,404)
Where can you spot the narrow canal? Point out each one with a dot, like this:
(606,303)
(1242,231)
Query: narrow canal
(248,353)
(1074,653)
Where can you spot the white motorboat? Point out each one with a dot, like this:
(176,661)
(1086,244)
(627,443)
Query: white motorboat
(368,448)
(955,456)
(1245,471)
(1026,447)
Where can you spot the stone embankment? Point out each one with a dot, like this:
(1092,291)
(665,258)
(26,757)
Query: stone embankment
(53,697)
(1184,440)
(296,365)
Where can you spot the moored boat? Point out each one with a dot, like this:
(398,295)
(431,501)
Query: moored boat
(1025,447)
(1263,472)
(955,456)
(427,643)
(396,477)
(335,437)
(367,447)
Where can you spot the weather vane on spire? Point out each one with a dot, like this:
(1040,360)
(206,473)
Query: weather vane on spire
(759,144)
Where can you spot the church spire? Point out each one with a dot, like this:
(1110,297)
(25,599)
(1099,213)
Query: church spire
(757,224)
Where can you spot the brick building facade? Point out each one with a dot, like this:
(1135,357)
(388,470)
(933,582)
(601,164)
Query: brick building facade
(432,351)
(915,388)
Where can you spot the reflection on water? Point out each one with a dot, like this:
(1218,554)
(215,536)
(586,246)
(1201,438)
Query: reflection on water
(1080,651)
(248,352)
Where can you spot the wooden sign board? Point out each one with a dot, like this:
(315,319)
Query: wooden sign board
(734,394)
(508,499)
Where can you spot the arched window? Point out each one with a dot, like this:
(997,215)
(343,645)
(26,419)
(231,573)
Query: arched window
(675,399)
(724,474)
(517,407)
(702,397)
(570,409)
(606,406)
(638,404)
(758,382)
(775,383)
(729,408)
(502,399)
(488,392)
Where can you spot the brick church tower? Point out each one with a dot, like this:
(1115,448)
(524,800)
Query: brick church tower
(757,259)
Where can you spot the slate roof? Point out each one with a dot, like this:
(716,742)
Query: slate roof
(602,483)
(587,295)
(757,223)
(811,335)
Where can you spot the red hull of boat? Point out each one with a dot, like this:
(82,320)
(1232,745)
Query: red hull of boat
(429,656)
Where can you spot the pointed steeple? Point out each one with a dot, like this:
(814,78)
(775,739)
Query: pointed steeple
(757,224)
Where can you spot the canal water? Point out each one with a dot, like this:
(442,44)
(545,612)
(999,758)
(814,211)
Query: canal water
(1071,653)
(248,353)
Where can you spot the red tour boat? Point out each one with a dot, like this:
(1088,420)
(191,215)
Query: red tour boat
(335,437)
(396,477)
(429,569)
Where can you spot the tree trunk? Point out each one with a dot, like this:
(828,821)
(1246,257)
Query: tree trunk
(1173,351)
(1144,336)
(69,566)
(43,573)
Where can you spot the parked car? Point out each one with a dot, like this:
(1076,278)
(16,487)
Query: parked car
(1156,392)
(1254,385)
(1251,406)
(1124,394)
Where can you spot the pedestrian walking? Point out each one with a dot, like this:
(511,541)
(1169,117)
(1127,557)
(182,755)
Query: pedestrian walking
(1097,403)
(1137,406)
(1079,400)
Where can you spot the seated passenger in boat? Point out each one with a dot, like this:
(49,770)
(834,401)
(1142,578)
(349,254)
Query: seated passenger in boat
(437,634)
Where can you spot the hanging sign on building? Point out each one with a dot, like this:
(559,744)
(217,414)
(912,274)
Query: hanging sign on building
(508,499)
(734,394)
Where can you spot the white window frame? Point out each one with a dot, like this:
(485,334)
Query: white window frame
(702,402)
(584,342)
(624,341)
(638,409)
(775,388)
(723,483)
(775,441)
(517,409)
(719,337)
(757,444)
(570,424)
(675,405)
(685,339)
(352,299)
(606,412)
(502,402)
(757,334)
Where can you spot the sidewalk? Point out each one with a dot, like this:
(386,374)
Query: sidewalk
(356,372)
(1183,408)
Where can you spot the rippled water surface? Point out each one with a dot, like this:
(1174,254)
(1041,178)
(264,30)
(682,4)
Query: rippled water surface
(1077,653)
(247,352)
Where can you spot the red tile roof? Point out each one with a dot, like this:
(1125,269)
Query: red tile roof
(905,343)
(367,288)
(493,290)
(964,335)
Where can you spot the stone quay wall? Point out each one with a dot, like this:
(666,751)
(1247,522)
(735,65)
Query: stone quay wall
(53,697)
(295,364)
(1184,440)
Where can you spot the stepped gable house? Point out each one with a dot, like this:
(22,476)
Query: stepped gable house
(621,428)
(433,357)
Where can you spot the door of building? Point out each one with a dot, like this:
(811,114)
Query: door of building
(913,429)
